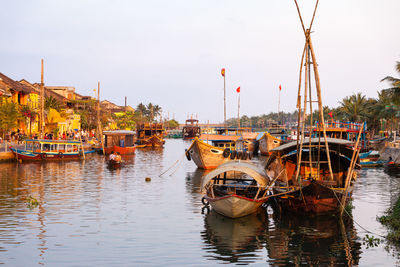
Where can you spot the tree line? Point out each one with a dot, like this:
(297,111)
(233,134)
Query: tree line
(381,113)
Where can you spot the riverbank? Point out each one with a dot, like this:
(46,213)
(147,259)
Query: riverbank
(392,221)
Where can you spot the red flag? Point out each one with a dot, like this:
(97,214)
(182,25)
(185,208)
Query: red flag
(280,88)
(330,114)
(238,89)
(223,72)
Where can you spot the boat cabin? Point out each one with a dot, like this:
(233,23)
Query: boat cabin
(119,138)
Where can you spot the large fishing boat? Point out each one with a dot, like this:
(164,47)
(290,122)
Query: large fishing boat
(121,141)
(313,174)
(150,135)
(223,148)
(49,150)
(191,129)
(235,189)
(308,180)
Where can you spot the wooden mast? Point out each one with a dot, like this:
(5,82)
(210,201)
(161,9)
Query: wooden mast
(42,119)
(310,51)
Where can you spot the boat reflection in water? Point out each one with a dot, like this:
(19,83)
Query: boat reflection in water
(312,241)
(234,240)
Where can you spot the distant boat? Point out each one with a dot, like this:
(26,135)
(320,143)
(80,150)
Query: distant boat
(224,148)
(371,159)
(236,189)
(49,150)
(191,129)
(150,135)
(121,141)
(267,142)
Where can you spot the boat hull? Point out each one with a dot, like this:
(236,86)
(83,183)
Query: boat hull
(267,143)
(152,141)
(33,156)
(121,150)
(234,206)
(313,198)
(206,156)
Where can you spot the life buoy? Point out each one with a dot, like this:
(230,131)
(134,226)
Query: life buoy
(226,152)
(204,201)
(233,154)
(188,155)
(43,155)
(239,155)
(60,155)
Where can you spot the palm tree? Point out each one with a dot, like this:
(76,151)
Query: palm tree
(51,102)
(9,116)
(354,108)
(395,83)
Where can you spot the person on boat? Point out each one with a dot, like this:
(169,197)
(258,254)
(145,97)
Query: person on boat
(118,157)
(112,156)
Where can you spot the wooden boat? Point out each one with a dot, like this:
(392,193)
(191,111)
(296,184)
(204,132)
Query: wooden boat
(314,190)
(235,189)
(224,148)
(121,141)
(267,142)
(343,130)
(49,150)
(250,142)
(114,164)
(371,159)
(191,129)
(150,135)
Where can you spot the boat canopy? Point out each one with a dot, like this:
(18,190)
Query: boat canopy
(119,132)
(335,144)
(255,172)
(219,138)
(49,141)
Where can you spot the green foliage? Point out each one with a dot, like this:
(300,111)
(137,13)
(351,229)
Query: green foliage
(51,102)
(172,124)
(392,221)
(370,241)
(147,113)
(126,121)
(9,115)
(32,202)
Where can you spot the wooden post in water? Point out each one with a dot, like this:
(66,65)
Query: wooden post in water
(99,128)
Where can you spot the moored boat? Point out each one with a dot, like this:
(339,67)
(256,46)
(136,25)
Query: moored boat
(121,141)
(267,142)
(191,129)
(235,189)
(316,189)
(150,135)
(224,148)
(49,150)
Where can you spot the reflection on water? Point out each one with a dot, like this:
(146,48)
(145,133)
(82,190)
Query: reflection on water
(234,240)
(90,215)
(312,241)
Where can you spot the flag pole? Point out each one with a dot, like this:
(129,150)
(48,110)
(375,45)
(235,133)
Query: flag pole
(239,113)
(279,103)
(226,130)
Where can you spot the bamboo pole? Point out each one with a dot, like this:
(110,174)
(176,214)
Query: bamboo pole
(350,172)
(239,113)
(320,107)
(100,130)
(83,150)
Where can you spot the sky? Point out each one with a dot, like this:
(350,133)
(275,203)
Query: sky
(170,53)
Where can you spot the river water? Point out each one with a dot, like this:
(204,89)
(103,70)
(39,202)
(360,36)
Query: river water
(90,215)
